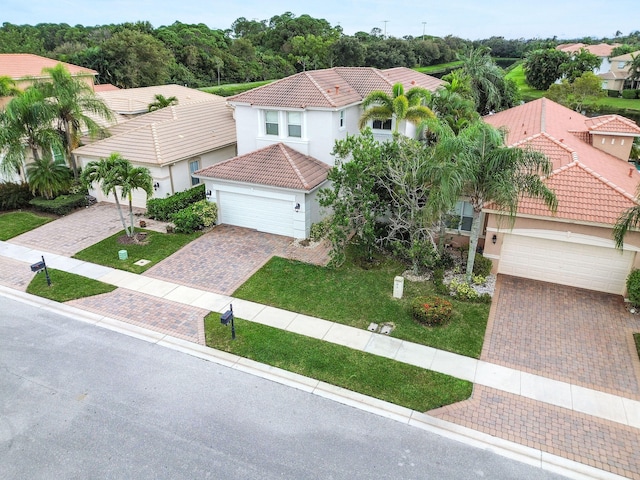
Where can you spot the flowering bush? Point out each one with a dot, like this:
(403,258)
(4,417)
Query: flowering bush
(431,310)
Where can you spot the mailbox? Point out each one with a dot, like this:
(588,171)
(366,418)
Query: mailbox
(36,267)
(226,317)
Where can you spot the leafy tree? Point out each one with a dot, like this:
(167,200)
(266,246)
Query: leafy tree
(310,50)
(585,89)
(7,86)
(581,62)
(48,177)
(348,52)
(162,102)
(634,69)
(27,118)
(623,49)
(498,174)
(116,173)
(74,104)
(411,106)
(543,67)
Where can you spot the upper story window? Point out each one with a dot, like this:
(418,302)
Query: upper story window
(462,217)
(294,124)
(382,124)
(271,122)
(621,65)
(342,118)
(194,166)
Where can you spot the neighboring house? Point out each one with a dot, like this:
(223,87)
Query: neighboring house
(286,131)
(594,183)
(26,68)
(616,77)
(601,50)
(173,143)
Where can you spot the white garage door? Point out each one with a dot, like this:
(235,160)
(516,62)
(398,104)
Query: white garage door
(260,213)
(584,266)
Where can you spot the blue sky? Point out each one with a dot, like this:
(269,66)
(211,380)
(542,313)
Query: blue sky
(470,19)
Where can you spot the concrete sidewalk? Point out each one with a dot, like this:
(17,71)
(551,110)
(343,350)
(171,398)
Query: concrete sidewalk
(561,394)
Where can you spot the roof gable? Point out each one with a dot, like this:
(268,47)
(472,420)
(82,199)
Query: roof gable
(132,101)
(332,88)
(276,165)
(612,124)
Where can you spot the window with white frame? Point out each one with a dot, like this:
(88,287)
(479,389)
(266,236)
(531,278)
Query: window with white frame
(621,65)
(382,124)
(194,166)
(461,217)
(294,124)
(271,122)
(341,118)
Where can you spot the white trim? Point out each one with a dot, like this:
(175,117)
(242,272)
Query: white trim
(550,219)
(491,256)
(614,134)
(565,236)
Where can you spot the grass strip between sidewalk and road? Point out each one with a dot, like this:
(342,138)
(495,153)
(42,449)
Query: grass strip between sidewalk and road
(156,248)
(389,380)
(13,224)
(66,286)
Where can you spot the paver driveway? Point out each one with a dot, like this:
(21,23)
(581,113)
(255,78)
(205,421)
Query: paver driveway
(569,334)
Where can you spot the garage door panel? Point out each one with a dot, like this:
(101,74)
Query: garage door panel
(260,213)
(584,266)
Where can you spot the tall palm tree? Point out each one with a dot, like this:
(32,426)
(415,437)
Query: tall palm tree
(487,78)
(48,177)
(26,125)
(161,102)
(411,106)
(76,106)
(499,174)
(454,109)
(134,178)
(634,69)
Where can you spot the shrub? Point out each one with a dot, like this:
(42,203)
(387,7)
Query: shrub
(633,287)
(320,230)
(162,208)
(478,279)
(482,266)
(196,216)
(613,93)
(431,310)
(60,205)
(629,93)
(462,290)
(14,195)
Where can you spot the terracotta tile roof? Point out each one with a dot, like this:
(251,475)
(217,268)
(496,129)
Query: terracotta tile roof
(591,185)
(333,87)
(276,165)
(612,124)
(170,134)
(582,195)
(21,65)
(601,50)
(134,101)
(104,87)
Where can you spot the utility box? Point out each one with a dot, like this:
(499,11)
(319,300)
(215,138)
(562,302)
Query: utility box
(123,255)
(398,287)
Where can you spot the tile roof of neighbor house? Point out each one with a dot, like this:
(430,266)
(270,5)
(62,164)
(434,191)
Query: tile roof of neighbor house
(600,50)
(104,87)
(21,65)
(276,165)
(590,184)
(333,88)
(627,57)
(170,134)
(134,101)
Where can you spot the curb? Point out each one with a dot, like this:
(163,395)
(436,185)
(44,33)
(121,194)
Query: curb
(468,436)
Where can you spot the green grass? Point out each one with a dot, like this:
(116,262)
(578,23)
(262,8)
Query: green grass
(66,286)
(620,105)
(15,223)
(442,67)
(355,296)
(234,88)
(158,247)
(526,92)
(379,377)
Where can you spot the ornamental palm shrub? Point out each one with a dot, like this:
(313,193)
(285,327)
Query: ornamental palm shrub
(48,177)
(431,310)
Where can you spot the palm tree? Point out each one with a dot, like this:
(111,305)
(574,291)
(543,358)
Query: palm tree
(134,178)
(634,69)
(487,78)
(8,86)
(411,106)
(498,174)
(161,102)
(26,123)
(457,111)
(48,177)
(76,106)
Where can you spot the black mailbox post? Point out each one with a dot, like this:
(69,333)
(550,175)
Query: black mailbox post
(39,266)
(227,317)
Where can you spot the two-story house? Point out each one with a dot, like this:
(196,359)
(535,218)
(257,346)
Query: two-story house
(286,131)
(601,50)
(617,77)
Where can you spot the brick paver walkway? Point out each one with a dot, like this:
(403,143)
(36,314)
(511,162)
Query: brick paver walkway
(573,335)
(15,274)
(223,259)
(143,310)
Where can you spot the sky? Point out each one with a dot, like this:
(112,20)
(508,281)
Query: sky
(468,19)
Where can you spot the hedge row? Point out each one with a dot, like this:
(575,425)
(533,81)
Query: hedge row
(60,205)
(162,208)
(630,93)
(14,195)
(196,216)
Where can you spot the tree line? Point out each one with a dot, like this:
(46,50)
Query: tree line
(137,54)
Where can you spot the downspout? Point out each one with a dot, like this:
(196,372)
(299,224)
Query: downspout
(171,177)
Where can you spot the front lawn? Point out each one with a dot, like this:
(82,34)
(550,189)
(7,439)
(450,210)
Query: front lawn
(66,286)
(158,246)
(355,296)
(526,92)
(382,378)
(15,223)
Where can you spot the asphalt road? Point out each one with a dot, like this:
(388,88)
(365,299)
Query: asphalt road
(81,402)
